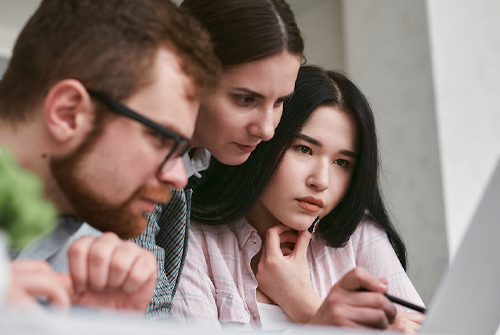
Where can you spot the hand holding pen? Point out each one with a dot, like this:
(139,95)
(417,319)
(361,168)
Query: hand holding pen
(345,306)
(349,305)
(396,300)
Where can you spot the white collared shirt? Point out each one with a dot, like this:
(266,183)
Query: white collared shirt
(199,162)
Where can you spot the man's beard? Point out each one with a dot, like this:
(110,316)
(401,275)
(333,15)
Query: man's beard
(89,206)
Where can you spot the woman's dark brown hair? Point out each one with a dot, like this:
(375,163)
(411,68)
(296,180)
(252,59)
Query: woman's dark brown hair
(247,30)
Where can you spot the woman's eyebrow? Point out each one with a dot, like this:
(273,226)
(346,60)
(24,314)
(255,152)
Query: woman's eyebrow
(348,153)
(286,97)
(249,92)
(317,143)
(260,96)
(310,140)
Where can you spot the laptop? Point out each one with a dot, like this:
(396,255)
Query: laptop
(468,298)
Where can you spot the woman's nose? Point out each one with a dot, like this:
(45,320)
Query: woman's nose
(263,125)
(319,177)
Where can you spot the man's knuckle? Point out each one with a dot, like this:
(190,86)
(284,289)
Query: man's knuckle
(76,250)
(97,258)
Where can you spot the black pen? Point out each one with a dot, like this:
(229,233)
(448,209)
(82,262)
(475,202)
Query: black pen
(405,303)
(312,228)
(399,301)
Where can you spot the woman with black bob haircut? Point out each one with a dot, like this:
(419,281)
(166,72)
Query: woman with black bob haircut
(250,246)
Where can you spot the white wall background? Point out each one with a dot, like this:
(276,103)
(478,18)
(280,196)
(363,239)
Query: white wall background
(465,43)
(387,53)
(430,70)
(13,15)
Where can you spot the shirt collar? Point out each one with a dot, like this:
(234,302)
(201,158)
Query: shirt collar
(50,244)
(243,231)
(199,162)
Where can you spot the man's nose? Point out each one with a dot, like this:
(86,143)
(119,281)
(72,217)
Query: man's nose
(176,176)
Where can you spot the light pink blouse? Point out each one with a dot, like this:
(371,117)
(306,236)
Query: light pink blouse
(218,286)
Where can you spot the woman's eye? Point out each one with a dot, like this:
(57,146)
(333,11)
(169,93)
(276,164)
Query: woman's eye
(303,149)
(342,163)
(244,100)
(278,103)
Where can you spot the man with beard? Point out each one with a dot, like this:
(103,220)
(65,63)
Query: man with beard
(100,100)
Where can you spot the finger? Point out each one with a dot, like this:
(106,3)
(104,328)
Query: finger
(366,299)
(100,254)
(41,283)
(345,315)
(143,271)
(351,324)
(370,317)
(29,266)
(302,243)
(288,236)
(273,240)
(286,251)
(372,300)
(65,280)
(404,323)
(121,263)
(77,262)
(359,278)
(415,329)
(417,318)
(287,241)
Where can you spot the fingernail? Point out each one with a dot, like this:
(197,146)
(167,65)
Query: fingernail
(383,286)
(312,228)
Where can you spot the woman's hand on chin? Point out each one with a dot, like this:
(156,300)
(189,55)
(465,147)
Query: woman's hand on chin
(283,273)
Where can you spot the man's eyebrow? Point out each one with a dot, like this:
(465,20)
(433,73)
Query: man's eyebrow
(310,140)
(170,127)
(250,92)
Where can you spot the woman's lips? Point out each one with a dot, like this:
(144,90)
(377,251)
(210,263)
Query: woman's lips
(246,148)
(308,206)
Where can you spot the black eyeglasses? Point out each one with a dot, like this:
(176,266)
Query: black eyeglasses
(176,144)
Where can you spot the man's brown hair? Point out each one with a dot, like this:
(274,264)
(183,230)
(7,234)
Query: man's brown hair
(108,45)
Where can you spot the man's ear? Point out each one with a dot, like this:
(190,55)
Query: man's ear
(68,111)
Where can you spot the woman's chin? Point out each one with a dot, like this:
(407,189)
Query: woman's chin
(233,159)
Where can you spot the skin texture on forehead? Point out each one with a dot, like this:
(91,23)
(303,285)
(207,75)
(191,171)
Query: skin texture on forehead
(170,100)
